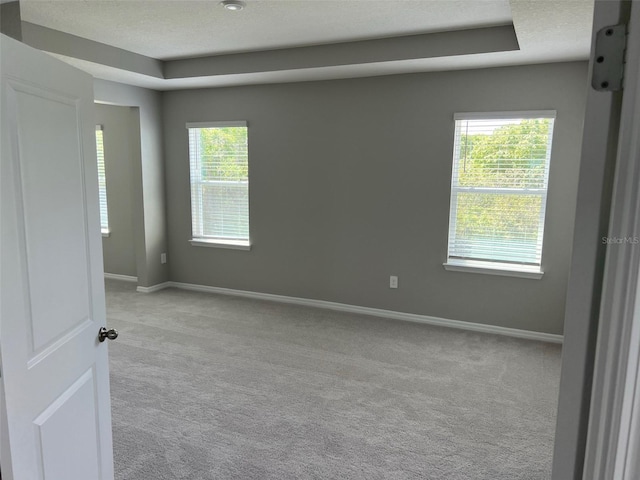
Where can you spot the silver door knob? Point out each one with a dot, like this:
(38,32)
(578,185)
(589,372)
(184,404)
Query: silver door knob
(103,333)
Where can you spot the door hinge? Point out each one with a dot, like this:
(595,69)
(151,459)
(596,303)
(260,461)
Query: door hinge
(608,67)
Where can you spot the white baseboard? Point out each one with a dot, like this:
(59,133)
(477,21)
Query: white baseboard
(376,312)
(154,288)
(117,276)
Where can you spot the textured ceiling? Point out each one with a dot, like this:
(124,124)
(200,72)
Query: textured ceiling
(177,29)
(258,44)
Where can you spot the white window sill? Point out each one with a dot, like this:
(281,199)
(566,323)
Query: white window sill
(106,233)
(219,243)
(489,268)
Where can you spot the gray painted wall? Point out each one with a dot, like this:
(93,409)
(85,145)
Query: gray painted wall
(149,211)
(350,183)
(10,19)
(122,153)
(73,46)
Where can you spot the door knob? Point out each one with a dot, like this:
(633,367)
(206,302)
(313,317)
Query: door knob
(104,333)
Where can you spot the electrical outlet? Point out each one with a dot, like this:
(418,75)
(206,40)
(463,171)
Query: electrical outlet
(163,258)
(393,281)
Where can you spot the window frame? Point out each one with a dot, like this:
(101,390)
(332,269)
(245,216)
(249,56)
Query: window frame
(487,266)
(105,230)
(197,224)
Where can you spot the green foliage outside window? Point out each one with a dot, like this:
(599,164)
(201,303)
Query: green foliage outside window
(513,156)
(224,153)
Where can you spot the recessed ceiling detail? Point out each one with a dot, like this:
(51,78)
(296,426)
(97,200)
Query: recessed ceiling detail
(167,30)
(178,44)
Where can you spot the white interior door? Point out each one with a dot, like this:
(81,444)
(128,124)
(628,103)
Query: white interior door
(54,369)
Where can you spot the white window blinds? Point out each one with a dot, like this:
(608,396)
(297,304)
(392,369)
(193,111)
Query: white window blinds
(102,181)
(219,165)
(499,187)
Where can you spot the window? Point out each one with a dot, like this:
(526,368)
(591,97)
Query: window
(499,192)
(218,160)
(102,182)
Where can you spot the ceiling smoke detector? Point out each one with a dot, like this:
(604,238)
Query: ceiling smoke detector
(233,5)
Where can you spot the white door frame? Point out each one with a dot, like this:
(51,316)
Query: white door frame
(613,441)
(584,290)
(601,281)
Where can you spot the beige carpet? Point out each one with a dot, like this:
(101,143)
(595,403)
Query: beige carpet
(213,387)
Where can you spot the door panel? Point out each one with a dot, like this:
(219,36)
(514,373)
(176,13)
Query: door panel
(54,370)
(75,412)
(57,270)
